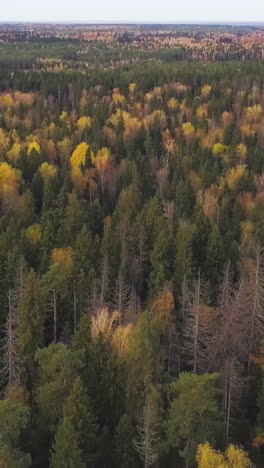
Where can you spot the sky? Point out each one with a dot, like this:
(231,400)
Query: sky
(156,11)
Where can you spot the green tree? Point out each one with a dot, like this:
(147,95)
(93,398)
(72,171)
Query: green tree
(58,367)
(145,359)
(161,260)
(66,451)
(214,257)
(79,413)
(183,258)
(14,422)
(193,415)
(124,447)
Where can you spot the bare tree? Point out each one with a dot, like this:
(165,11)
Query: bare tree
(9,372)
(227,321)
(199,326)
(253,317)
(184,297)
(53,312)
(229,344)
(120,298)
(147,441)
(134,308)
(232,383)
(104,281)
(75,303)
(98,296)
(10,369)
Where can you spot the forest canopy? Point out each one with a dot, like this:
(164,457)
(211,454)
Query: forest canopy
(131,248)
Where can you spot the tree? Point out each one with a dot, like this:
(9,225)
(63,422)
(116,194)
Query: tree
(183,258)
(208,457)
(193,416)
(84,123)
(120,297)
(214,257)
(145,357)
(78,160)
(66,452)
(57,371)
(161,260)
(253,318)
(147,441)
(124,447)
(57,282)
(10,368)
(103,372)
(30,326)
(78,415)
(228,346)
(235,175)
(199,327)
(10,180)
(102,161)
(14,422)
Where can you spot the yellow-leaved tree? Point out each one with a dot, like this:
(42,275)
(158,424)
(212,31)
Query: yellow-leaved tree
(132,127)
(47,171)
(65,147)
(10,180)
(79,155)
(14,153)
(254,114)
(241,151)
(173,103)
(235,175)
(206,90)
(118,98)
(33,236)
(84,123)
(33,147)
(188,131)
(233,457)
(78,159)
(63,256)
(101,162)
(132,87)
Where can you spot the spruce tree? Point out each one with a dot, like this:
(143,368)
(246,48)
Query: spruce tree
(78,412)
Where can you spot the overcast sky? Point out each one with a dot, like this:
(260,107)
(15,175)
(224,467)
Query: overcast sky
(133,10)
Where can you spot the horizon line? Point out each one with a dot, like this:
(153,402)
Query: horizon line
(141,22)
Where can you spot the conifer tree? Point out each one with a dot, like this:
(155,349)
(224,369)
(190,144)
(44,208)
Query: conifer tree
(78,412)
(30,326)
(66,451)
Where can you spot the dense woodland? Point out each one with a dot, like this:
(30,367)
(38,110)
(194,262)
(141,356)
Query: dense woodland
(131,262)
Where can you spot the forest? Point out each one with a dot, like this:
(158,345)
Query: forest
(131,250)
